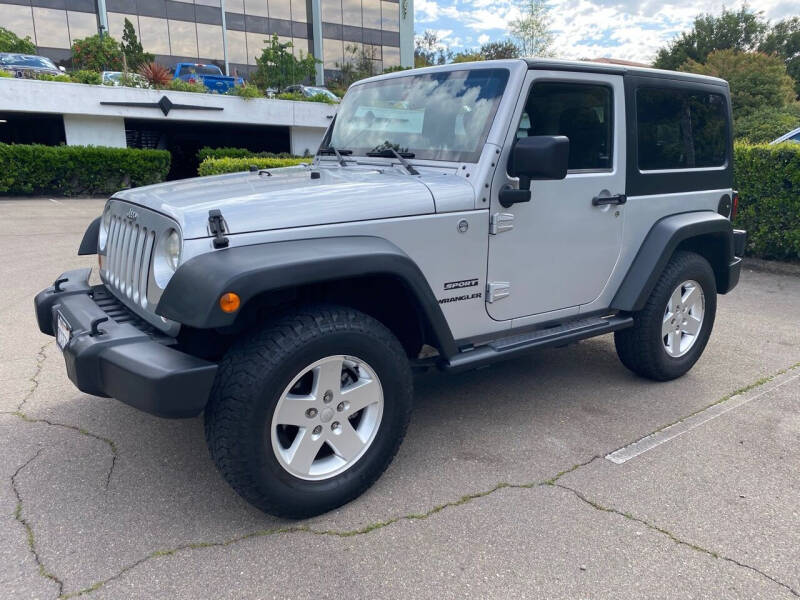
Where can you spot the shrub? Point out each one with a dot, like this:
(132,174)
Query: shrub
(64,78)
(156,75)
(74,170)
(207,152)
(178,85)
(11,42)
(131,47)
(97,54)
(278,67)
(217,166)
(298,97)
(246,91)
(5,73)
(85,76)
(767,124)
(768,180)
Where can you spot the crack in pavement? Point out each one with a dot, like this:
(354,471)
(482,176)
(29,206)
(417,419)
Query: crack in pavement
(551,482)
(28,529)
(608,509)
(41,356)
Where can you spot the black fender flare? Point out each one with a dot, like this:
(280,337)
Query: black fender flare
(89,241)
(661,242)
(192,295)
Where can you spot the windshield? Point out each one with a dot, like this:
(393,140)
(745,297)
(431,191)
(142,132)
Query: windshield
(25,60)
(201,70)
(437,116)
(313,91)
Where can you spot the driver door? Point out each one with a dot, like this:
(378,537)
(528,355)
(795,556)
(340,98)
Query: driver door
(558,250)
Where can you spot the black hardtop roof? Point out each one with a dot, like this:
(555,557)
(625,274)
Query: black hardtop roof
(583,66)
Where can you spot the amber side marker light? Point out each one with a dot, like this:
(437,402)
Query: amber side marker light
(229,302)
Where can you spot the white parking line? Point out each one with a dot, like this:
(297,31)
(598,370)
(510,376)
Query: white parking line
(671,432)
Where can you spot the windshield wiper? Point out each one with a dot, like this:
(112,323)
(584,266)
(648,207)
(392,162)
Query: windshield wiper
(400,156)
(339,153)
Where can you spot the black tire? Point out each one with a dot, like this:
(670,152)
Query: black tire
(250,381)
(641,347)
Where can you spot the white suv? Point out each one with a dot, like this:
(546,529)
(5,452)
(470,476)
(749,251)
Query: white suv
(453,216)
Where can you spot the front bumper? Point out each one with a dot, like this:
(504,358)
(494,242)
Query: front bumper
(125,359)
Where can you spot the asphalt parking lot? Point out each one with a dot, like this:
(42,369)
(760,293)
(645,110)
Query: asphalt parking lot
(502,488)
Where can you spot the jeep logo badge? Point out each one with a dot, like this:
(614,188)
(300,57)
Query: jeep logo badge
(132,214)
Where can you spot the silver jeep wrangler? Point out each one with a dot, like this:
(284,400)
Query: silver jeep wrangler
(453,216)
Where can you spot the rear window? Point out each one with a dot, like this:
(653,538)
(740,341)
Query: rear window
(681,129)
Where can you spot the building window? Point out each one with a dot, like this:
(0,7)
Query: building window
(154,35)
(255,46)
(372,14)
(680,129)
(257,8)
(280,9)
(234,6)
(333,52)
(51,27)
(209,41)
(390,13)
(214,3)
(116,24)
(81,25)
(332,11)
(351,12)
(237,47)
(391,57)
(299,11)
(18,19)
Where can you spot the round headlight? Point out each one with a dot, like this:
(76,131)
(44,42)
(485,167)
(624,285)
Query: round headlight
(166,258)
(105,223)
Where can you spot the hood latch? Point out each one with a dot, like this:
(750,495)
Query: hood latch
(216,225)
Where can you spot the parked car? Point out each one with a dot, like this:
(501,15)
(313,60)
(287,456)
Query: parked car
(312,90)
(792,136)
(454,216)
(28,65)
(115,78)
(210,76)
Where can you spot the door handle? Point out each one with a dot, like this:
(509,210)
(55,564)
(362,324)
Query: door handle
(604,200)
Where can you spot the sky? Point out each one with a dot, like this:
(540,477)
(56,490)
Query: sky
(623,29)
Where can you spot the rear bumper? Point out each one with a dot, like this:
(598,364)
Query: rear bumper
(735,265)
(126,359)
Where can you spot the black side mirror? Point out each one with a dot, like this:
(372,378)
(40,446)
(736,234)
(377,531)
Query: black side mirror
(537,157)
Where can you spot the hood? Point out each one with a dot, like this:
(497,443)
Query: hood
(287,197)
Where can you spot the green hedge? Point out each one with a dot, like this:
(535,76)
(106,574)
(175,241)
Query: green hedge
(768,180)
(207,152)
(217,166)
(75,170)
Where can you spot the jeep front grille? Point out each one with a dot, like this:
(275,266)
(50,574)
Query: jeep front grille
(128,252)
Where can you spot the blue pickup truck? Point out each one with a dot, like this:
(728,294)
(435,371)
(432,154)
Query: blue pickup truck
(209,75)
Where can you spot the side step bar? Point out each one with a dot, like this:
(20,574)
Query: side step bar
(515,345)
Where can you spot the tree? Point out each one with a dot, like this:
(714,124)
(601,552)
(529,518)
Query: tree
(531,31)
(784,40)
(757,80)
(11,42)
(742,30)
(278,67)
(429,50)
(767,124)
(132,48)
(97,54)
(499,50)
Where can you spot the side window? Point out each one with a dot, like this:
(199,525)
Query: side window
(580,111)
(680,129)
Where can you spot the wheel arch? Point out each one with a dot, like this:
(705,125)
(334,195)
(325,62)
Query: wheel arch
(704,232)
(367,273)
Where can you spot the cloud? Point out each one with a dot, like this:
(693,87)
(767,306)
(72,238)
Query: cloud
(626,29)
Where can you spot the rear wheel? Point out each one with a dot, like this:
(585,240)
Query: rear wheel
(308,412)
(672,330)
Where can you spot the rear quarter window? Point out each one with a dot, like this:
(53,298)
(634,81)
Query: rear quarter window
(680,129)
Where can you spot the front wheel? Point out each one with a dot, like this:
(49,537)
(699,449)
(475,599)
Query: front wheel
(672,330)
(308,412)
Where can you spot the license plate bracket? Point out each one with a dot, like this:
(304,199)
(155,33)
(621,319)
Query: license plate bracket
(63,331)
